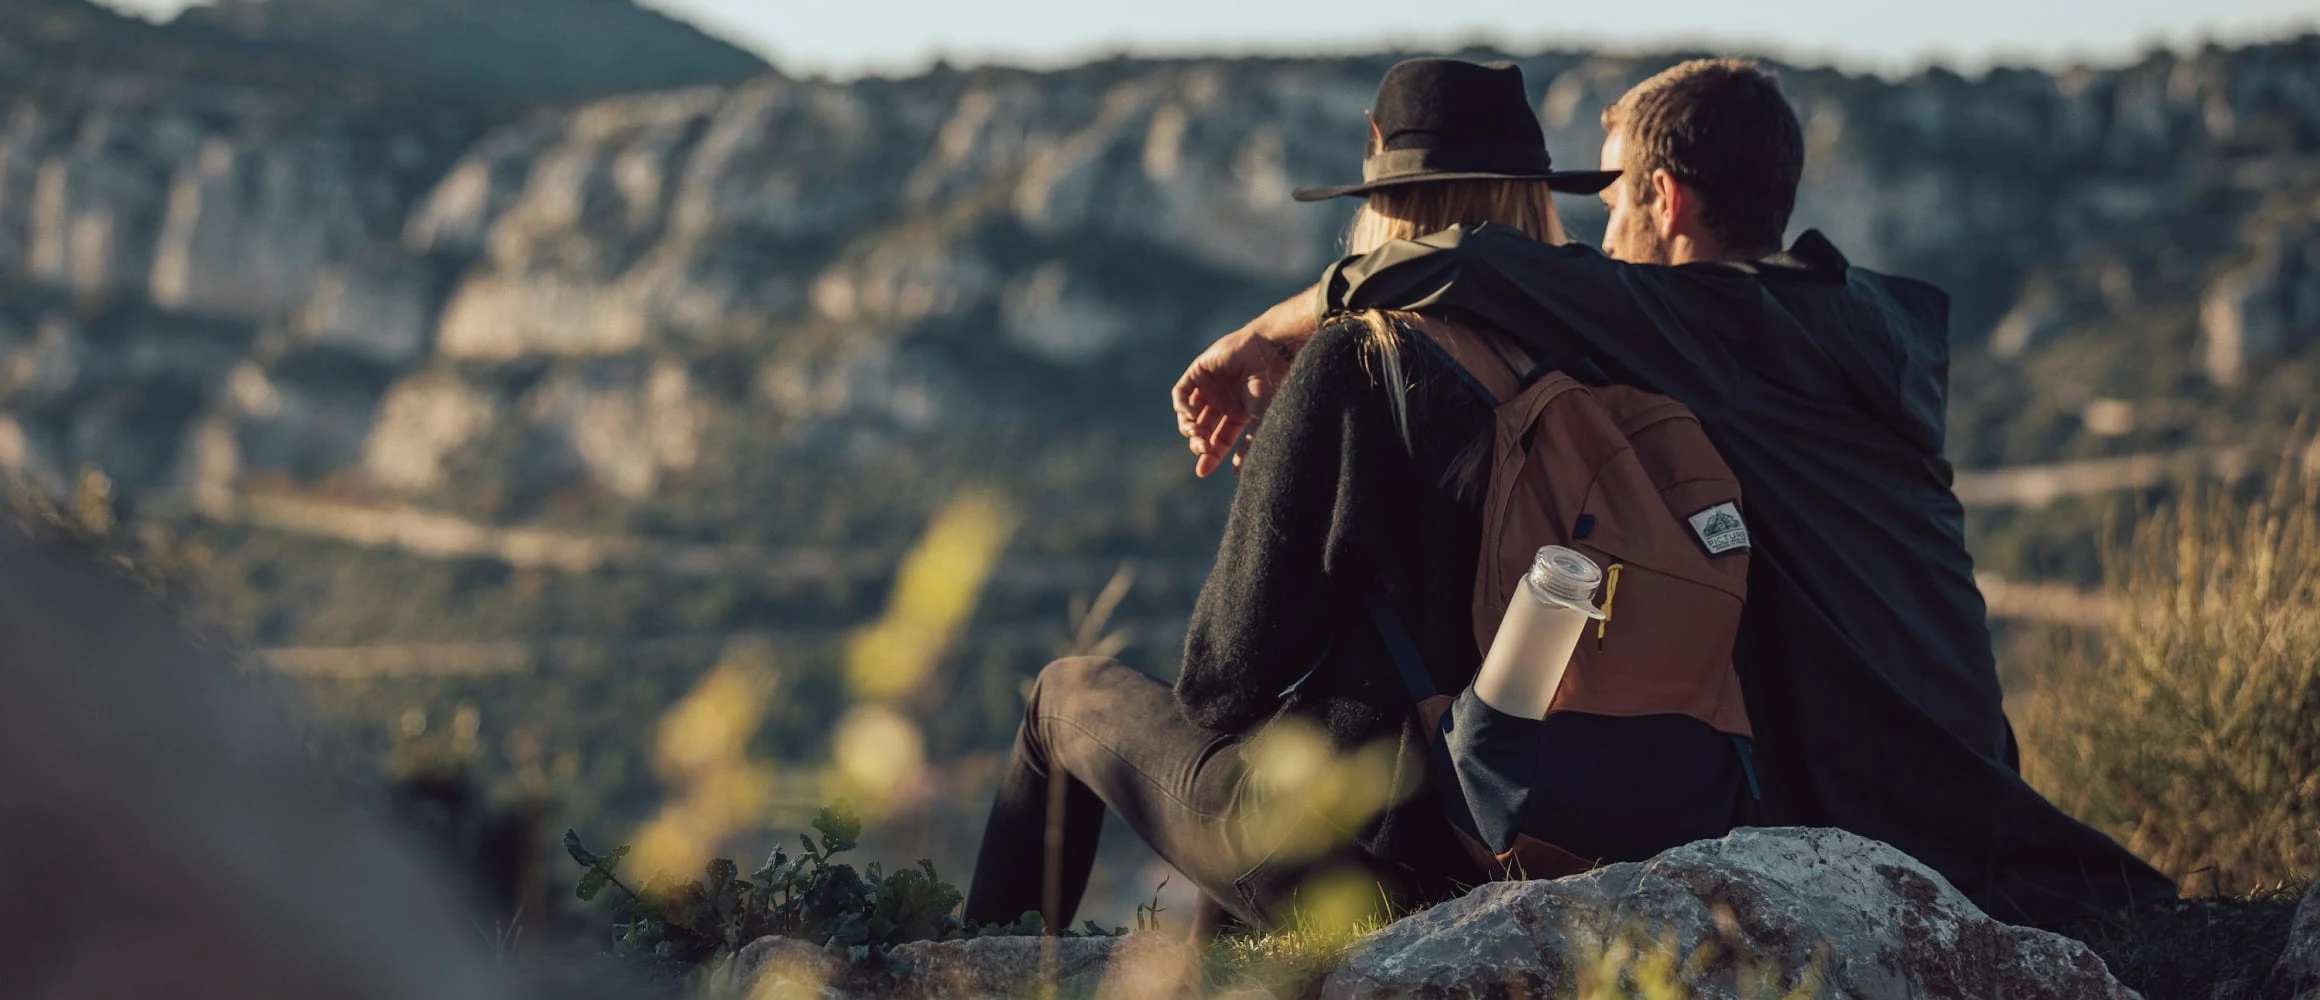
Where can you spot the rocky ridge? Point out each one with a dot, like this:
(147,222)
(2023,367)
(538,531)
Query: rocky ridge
(861,259)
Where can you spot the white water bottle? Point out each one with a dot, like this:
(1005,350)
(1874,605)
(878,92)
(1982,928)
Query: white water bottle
(1527,659)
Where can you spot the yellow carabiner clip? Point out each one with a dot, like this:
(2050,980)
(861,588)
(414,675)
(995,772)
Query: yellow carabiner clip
(1610,593)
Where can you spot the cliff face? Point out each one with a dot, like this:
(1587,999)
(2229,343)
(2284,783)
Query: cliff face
(890,260)
(388,363)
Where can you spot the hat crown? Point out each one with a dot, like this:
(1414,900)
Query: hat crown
(1430,103)
(1453,120)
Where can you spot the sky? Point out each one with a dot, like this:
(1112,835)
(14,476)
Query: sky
(854,37)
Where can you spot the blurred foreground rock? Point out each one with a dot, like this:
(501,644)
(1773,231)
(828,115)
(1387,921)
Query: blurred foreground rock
(1760,908)
(162,832)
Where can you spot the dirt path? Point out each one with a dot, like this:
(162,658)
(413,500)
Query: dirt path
(432,534)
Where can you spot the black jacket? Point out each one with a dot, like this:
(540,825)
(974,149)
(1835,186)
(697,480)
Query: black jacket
(1865,651)
(1330,504)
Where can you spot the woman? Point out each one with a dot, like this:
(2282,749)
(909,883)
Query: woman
(1365,480)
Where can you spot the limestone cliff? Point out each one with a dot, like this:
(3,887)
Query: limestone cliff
(770,325)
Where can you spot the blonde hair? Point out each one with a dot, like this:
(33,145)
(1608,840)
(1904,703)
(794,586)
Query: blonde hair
(1409,211)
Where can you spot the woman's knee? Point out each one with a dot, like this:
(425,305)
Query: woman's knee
(1066,679)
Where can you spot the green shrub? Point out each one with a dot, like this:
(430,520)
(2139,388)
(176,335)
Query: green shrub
(809,897)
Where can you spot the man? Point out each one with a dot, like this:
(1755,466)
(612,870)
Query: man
(1865,656)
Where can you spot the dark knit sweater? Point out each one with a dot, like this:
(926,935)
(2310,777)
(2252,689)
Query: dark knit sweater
(1331,504)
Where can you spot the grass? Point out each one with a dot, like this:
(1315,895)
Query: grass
(1332,914)
(2190,728)
(2195,949)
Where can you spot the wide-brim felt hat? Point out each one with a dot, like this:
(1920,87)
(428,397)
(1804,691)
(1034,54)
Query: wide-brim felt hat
(1453,120)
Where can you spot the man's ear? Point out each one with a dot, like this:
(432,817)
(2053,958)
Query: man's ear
(1670,200)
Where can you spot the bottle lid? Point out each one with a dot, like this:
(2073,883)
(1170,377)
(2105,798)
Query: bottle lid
(1566,577)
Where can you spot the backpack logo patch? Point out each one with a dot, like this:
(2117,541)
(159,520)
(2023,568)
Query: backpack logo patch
(1720,529)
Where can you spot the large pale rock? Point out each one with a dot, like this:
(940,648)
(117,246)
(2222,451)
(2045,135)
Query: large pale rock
(1043,314)
(91,222)
(1789,905)
(2268,307)
(424,419)
(248,229)
(2297,976)
(628,428)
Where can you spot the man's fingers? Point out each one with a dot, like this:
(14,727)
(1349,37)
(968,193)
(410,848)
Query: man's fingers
(1186,397)
(1190,399)
(1240,452)
(1205,430)
(1222,437)
(1217,442)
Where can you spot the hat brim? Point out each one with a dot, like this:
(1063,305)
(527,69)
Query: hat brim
(1566,181)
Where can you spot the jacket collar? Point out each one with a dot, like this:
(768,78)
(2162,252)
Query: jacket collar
(1811,258)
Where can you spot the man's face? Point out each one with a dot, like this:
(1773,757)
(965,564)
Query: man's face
(1632,233)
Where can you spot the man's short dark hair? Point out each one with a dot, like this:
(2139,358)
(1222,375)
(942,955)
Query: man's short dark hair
(1722,127)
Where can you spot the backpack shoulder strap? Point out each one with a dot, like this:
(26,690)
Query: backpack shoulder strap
(1399,646)
(1433,706)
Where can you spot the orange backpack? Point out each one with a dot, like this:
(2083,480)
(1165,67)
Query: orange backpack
(1629,479)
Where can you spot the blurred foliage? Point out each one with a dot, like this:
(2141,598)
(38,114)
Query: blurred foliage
(1304,798)
(1635,965)
(692,923)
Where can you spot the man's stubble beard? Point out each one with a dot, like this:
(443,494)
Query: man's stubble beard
(1638,243)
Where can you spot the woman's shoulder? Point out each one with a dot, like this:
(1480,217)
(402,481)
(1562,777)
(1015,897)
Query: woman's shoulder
(1340,356)
(1342,335)
(1355,338)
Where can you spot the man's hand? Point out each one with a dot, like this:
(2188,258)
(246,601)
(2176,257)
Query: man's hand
(1225,391)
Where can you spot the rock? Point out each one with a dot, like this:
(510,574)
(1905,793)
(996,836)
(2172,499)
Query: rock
(1151,965)
(1758,913)
(248,230)
(1141,966)
(2268,307)
(304,418)
(628,426)
(1043,314)
(889,251)
(999,967)
(380,307)
(777,967)
(424,419)
(2297,975)
(1789,905)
